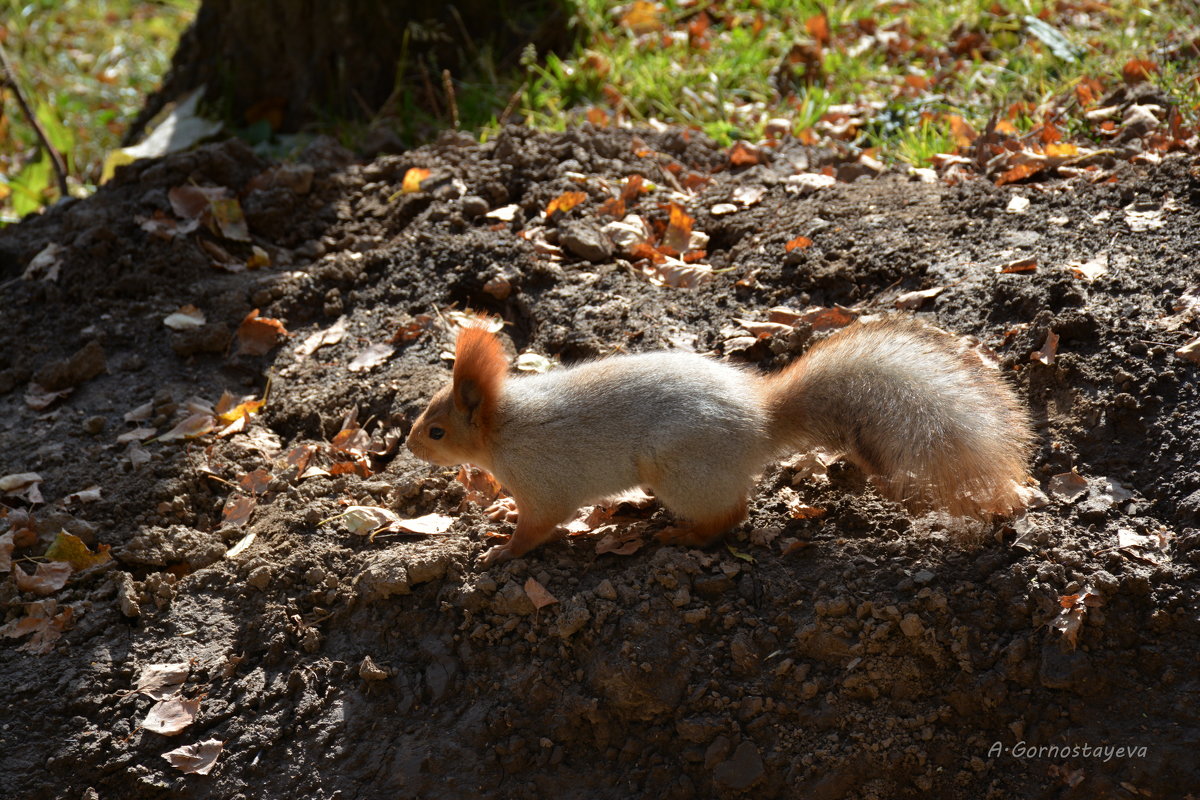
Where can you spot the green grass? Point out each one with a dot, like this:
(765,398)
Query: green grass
(891,78)
(969,58)
(87,66)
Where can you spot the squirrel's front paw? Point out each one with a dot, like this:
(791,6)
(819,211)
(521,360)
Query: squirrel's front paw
(496,555)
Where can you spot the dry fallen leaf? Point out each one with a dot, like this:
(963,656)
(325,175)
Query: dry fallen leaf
(91,494)
(564,203)
(331,335)
(231,222)
(241,546)
(412,180)
(246,407)
(366,519)
(24,485)
(41,621)
(619,542)
(642,16)
(71,550)
(1190,351)
(1070,618)
(257,335)
(504,213)
(677,274)
(678,234)
(196,758)
(192,427)
(481,486)
(1020,265)
(237,510)
(171,715)
(6,551)
(255,482)
(160,681)
(1067,486)
(763,329)
(185,318)
(744,154)
(47,579)
(429,524)
(1049,350)
(532,362)
(38,397)
(538,595)
(911,301)
(1091,269)
(370,358)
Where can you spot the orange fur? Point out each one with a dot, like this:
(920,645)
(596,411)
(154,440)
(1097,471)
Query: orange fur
(479,360)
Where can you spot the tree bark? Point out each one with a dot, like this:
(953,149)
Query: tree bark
(291,62)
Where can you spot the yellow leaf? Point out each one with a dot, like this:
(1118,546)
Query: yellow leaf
(412,180)
(71,549)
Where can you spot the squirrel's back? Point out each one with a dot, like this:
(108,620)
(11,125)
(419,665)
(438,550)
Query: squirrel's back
(624,421)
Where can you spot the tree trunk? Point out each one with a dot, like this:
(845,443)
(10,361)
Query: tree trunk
(291,62)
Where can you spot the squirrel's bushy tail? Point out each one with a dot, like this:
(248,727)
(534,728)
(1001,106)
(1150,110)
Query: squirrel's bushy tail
(913,407)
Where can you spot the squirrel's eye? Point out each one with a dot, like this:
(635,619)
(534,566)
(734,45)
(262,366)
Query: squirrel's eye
(436,433)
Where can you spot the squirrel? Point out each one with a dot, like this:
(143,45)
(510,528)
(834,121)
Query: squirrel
(909,404)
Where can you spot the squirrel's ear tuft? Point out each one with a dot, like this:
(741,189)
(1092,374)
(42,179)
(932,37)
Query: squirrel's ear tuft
(479,370)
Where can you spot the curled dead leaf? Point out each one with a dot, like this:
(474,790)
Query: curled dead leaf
(257,335)
(46,579)
(171,715)
(1049,350)
(538,595)
(196,758)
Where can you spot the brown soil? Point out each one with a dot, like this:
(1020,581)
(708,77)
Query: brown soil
(880,660)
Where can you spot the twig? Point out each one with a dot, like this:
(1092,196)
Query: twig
(451,100)
(512,106)
(10,78)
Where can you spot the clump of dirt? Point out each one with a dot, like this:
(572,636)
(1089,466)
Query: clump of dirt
(854,651)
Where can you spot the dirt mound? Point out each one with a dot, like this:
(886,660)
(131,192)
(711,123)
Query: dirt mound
(857,653)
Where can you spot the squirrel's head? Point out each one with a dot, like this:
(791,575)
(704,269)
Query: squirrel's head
(456,426)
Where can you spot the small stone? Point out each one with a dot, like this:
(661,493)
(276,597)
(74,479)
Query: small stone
(585,241)
(259,577)
(94,425)
(474,206)
(911,625)
(368,670)
(741,771)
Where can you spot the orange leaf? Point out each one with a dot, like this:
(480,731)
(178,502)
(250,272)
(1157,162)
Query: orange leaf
(799,243)
(818,28)
(565,202)
(1020,172)
(257,335)
(642,17)
(538,595)
(1137,70)
(237,510)
(412,180)
(679,229)
(1020,265)
(255,482)
(744,154)
(597,116)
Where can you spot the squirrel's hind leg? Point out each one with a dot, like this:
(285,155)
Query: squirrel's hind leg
(699,531)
